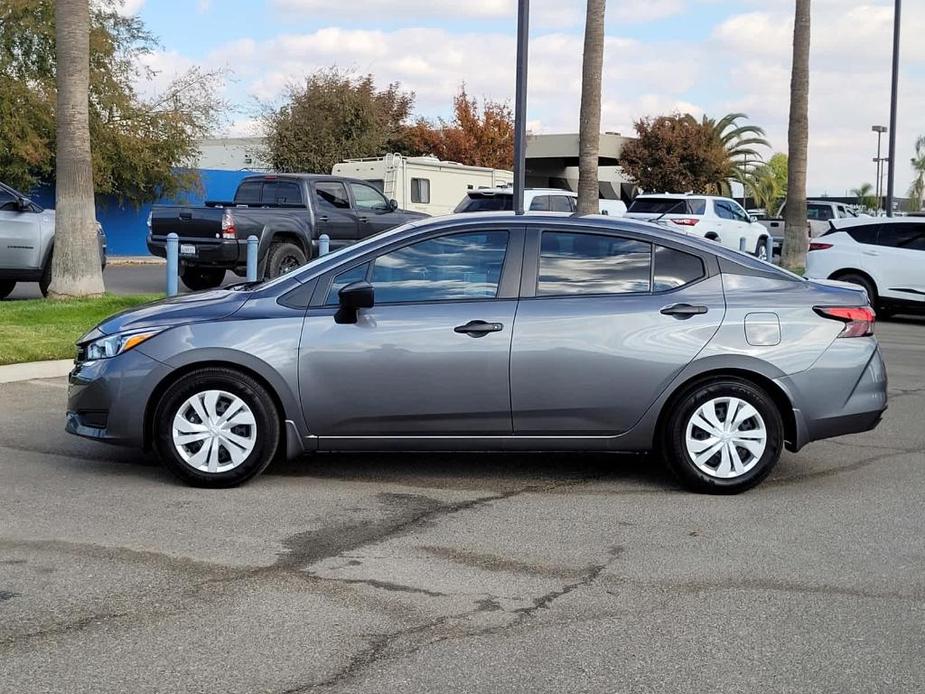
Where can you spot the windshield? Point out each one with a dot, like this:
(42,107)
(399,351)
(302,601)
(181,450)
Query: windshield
(479,202)
(668,205)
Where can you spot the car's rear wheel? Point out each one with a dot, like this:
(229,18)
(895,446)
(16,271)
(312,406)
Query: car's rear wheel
(869,287)
(761,250)
(216,428)
(284,258)
(723,436)
(6,288)
(199,278)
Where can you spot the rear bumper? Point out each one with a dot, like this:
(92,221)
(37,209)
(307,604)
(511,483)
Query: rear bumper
(226,253)
(844,392)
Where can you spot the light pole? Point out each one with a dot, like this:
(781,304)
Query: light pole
(520,105)
(890,179)
(879,129)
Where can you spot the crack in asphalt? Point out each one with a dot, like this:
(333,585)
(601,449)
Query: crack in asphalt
(831,472)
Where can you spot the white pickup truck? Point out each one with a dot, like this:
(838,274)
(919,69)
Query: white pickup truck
(27,240)
(818,215)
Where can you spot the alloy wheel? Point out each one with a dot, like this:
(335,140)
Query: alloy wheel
(214,431)
(726,437)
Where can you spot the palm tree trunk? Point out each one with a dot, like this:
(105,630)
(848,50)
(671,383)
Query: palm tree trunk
(795,234)
(76,261)
(589,131)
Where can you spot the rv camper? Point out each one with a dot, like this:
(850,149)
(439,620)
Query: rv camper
(423,184)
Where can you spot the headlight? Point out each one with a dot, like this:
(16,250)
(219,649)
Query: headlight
(114,345)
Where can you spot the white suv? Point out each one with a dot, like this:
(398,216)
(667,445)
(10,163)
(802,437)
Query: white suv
(885,256)
(718,219)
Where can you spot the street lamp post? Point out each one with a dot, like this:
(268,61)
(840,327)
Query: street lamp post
(520,105)
(891,175)
(879,129)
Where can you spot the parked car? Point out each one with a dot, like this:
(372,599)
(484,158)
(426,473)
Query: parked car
(287,213)
(627,337)
(884,255)
(27,242)
(818,215)
(714,218)
(535,200)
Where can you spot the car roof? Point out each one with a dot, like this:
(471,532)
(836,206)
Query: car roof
(678,196)
(510,191)
(846,222)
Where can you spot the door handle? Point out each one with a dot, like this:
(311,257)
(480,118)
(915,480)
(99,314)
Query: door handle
(478,328)
(364,219)
(871,253)
(322,218)
(683,311)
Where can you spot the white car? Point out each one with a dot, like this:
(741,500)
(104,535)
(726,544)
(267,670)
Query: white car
(886,256)
(535,200)
(715,218)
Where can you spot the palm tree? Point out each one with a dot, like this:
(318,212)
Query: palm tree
(737,145)
(764,186)
(75,269)
(867,198)
(917,189)
(589,129)
(796,239)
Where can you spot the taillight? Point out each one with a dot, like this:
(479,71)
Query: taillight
(818,245)
(858,320)
(685,221)
(228,230)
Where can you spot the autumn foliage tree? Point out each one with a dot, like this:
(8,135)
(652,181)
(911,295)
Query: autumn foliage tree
(477,135)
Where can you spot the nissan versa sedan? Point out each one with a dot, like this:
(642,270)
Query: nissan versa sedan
(492,332)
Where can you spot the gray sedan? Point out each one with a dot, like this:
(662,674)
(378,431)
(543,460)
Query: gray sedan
(492,332)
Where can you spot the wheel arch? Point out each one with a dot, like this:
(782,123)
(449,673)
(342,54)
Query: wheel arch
(841,272)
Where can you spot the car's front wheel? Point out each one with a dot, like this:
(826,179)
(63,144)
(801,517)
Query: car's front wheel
(723,436)
(216,427)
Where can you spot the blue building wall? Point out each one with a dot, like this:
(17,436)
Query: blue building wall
(126,226)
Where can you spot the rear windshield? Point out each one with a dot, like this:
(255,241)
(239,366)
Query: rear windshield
(668,205)
(479,202)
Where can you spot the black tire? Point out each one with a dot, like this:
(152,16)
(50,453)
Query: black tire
(45,281)
(266,432)
(199,278)
(284,257)
(6,288)
(862,281)
(674,435)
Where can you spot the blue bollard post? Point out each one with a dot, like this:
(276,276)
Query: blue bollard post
(173,263)
(251,258)
(742,244)
(324,244)
(769,243)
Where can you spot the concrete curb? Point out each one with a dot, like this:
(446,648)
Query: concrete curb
(11,373)
(134,260)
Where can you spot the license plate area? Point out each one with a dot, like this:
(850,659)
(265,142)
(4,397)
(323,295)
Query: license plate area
(187,249)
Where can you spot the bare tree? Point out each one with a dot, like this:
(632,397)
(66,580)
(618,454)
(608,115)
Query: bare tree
(795,235)
(589,130)
(75,265)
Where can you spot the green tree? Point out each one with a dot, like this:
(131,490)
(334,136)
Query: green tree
(764,186)
(917,189)
(737,143)
(137,142)
(334,115)
(866,196)
(778,164)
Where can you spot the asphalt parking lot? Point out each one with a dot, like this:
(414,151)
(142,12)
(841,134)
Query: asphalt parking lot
(463,572)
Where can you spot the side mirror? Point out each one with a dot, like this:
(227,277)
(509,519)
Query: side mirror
(752,218)
(23,204)
(393,205)
(353,297)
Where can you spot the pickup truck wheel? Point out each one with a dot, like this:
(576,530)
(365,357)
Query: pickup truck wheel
(283,258)
(6,288)
(198,278)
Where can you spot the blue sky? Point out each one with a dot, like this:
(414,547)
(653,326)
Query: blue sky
(699,56)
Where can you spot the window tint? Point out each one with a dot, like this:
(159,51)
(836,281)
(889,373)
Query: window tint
(420,190)
(332,194)
(368,198)
(282,193)
(249,193)
(592,264)
(457,266)
(478,202)
(866,233)
(378,184)
(355,274)
(559,203)
(730,210)
(903,235)
(668,205)
(819,213)
(8,201)
(675,268)
(540,204)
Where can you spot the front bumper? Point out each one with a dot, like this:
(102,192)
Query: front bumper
(844,392)
(107,399)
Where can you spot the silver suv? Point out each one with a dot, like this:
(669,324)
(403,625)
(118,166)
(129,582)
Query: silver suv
(27,240)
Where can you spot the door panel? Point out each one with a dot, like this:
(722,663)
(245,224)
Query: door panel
(20,239)
(897,263)
(333,214)
(403,370)
(594,364)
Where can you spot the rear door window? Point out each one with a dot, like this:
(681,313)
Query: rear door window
(865,233)
(560,203)
(332,194)
(909,236)
(582,263)
(675,268)
(282,193)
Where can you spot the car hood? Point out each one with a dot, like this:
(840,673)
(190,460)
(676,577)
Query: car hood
(189,308)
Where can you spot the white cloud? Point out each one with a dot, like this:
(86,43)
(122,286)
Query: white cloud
(130,7)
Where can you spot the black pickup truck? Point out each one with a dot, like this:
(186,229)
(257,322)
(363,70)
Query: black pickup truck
(286,212)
